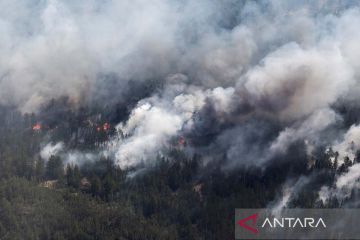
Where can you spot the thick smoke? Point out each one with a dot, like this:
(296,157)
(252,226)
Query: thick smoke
(51,149)
(350,143)
(290,190)
(241,81)
(343,186)
(71,157)
(347,181)
(308,129)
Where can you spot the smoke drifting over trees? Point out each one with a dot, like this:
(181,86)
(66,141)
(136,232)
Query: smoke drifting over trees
(242,84)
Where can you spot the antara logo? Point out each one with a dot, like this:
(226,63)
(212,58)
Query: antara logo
(294,222)
(287,222)
(253,219)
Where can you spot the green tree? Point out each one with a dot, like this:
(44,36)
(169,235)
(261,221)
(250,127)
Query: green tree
(73,176)
(39,169)
(95,185)
(109,186)
(55,168)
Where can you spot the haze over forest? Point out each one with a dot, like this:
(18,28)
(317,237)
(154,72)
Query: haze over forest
(156,119)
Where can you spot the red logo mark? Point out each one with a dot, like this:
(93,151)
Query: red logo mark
(251,229)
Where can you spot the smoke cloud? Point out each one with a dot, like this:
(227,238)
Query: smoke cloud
(241,81)
(51,149)
(350,143)
(344,184)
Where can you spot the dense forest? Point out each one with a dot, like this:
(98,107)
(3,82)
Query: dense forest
(178,197)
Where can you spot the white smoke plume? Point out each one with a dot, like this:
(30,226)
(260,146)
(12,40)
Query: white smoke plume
(347,181)
(68,156)
(344,184)
(219,65)
(51,149)
(290,190)
(153,122)
(350,143)
(287,78)
(79,158)
(308,130)
(148,129)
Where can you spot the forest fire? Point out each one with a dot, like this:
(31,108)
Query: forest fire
(135,120)
(181,141)
(36,127)
(106,126)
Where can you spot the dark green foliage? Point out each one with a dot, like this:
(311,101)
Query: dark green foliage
(96,187)
(73,176)
(55,168)
(29,211)
(176,198)
(39,169)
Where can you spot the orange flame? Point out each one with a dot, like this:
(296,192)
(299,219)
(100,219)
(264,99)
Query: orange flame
(36,127)
(106,126)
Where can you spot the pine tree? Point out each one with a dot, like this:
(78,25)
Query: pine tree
(39,169)
(54,168)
